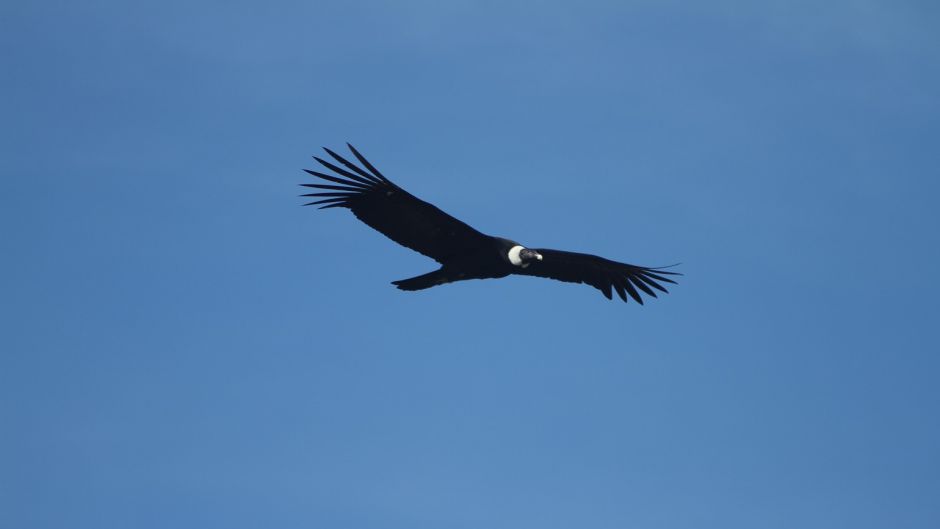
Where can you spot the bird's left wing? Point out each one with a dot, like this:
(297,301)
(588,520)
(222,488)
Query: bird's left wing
(396,213)
(602,274)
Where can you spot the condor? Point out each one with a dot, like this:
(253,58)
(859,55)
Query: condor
(463,252)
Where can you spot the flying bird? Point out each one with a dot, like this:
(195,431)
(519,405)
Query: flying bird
(463,252)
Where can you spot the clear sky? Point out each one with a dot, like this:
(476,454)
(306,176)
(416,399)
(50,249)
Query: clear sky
(183,345)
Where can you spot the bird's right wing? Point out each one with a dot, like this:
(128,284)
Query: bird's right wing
(396,213)
(602,274)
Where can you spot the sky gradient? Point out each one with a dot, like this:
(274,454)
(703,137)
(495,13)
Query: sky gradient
(183,345)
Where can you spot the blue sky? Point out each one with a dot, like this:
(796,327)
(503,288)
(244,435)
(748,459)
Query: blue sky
(183,345)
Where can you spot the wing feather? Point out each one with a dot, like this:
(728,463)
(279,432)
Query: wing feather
(602,274)
(392,211)
(342,172)
(332,178)
(369,166)
(642,286)
(353,167)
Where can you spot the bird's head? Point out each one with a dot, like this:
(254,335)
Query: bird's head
(521,256)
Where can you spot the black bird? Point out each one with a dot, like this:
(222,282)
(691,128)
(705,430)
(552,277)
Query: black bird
(463,252)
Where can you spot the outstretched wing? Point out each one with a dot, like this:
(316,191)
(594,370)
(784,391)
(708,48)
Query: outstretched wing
(602,274)
(396,213)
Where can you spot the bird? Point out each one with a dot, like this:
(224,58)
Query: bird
(463,252)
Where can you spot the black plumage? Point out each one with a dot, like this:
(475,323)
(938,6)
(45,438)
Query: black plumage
(463,252)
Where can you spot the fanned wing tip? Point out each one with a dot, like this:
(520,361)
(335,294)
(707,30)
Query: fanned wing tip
(369,166)
(370,182)
(632,282)
(353,180)
(633,293)
(350,174)
(351,166)
(658,273)
(642,286)
(620,292)
(338,180)
(652,283)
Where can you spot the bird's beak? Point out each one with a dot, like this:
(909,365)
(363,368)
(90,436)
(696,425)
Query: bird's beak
(530,254)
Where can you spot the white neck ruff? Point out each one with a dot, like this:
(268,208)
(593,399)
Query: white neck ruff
(514,256)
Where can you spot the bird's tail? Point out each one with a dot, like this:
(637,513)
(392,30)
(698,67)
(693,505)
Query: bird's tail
(431,279)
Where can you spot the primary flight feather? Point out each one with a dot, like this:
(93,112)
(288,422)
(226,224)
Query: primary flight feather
(463,252)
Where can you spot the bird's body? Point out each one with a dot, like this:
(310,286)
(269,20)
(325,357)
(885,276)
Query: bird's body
(463,252)
(491,259)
